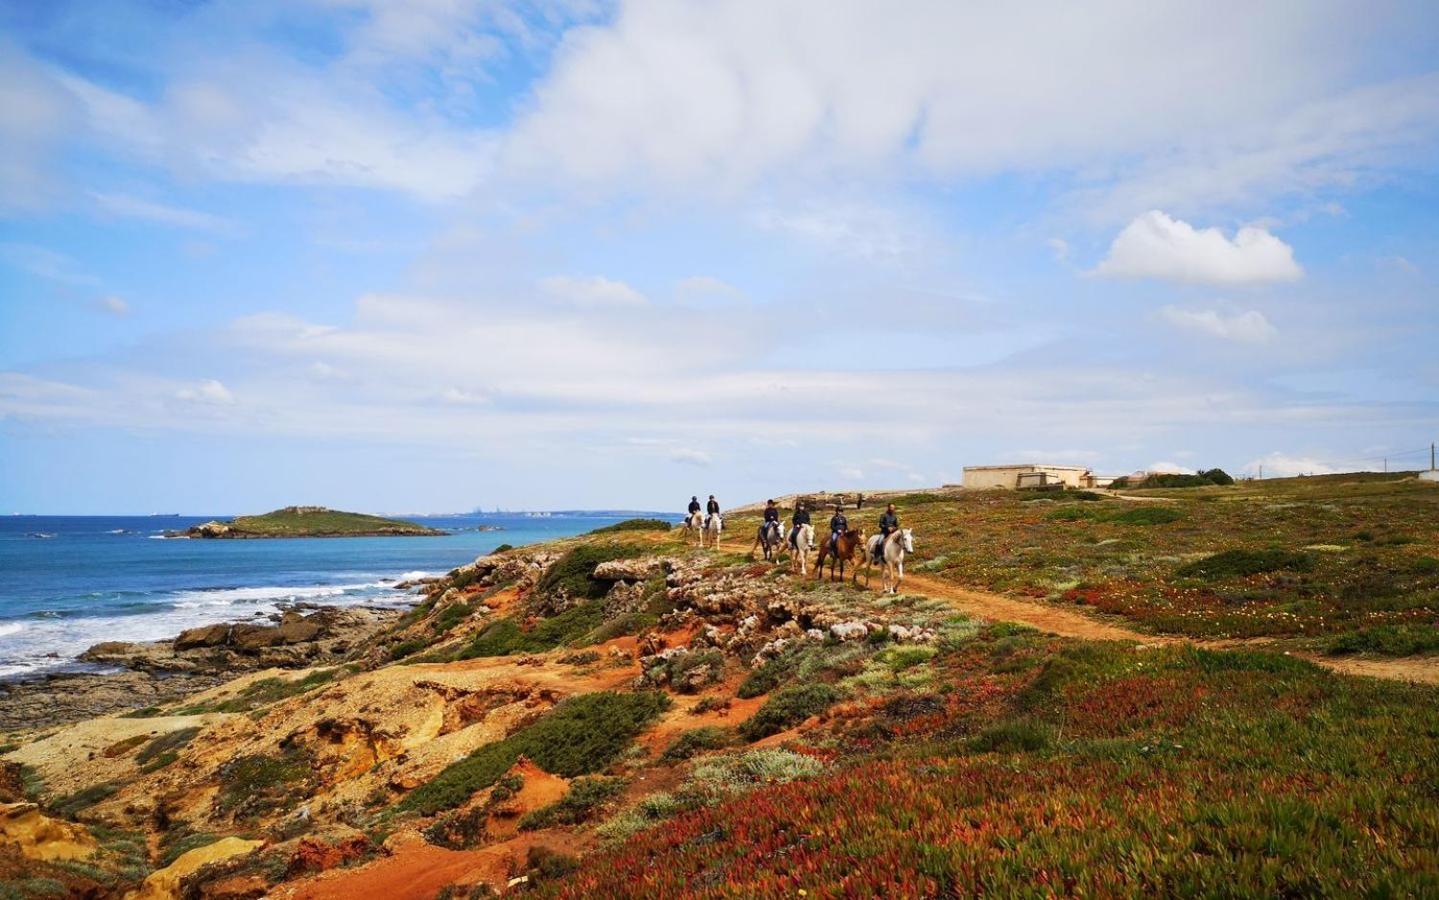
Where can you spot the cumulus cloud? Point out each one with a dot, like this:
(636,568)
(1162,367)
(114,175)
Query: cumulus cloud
(1282,465)
(208,392)
(690,456)
(1156,245)
(591,291)
(1249,327)
(1165,467)
(114,305)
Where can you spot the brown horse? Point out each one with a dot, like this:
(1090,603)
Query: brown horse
(851,544)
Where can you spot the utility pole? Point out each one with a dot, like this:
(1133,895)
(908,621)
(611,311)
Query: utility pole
(1431,455)
(1261,471)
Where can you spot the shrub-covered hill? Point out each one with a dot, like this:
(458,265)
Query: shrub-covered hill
(624,715)
(310,521)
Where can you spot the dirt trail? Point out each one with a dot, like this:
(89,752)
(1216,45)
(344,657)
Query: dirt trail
(1068,623)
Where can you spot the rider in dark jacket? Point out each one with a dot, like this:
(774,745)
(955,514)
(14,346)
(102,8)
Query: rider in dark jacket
(888,524)
(800,517)
(711,509)
(838,525)
(694,506)
(771,512)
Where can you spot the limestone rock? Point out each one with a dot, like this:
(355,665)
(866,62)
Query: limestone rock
(165,883)
(40,837)
(204,636)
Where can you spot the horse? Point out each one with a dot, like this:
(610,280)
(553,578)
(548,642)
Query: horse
(695,524)
(803,542)
(892,561)
(712,529)
(850,543)
(770,536)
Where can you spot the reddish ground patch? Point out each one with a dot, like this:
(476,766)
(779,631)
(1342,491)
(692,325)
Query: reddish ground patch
(540,789)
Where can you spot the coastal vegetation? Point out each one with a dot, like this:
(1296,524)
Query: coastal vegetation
(620,715)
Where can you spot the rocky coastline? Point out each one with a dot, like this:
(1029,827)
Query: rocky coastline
(157,672)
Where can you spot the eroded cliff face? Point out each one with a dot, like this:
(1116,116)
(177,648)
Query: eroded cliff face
(410,762)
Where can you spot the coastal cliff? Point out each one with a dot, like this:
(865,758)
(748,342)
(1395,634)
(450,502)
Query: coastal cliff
(624,714)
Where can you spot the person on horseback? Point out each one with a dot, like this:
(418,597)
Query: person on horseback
(711,510)
(838,525)
(800,517)
(771,514)
(694,506)
(888,524)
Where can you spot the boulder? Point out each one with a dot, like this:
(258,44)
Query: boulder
(38,836)
(204,636)
(641,569)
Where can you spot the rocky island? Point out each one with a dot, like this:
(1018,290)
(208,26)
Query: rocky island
(307,521)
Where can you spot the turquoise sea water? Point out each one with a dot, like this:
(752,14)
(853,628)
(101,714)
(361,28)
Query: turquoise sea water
(67,582)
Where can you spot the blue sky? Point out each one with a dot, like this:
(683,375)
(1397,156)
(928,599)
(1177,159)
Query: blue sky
(427,254)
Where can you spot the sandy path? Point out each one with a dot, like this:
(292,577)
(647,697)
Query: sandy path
(1070,623)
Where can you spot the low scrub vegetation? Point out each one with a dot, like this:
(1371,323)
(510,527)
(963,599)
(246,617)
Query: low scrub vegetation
(1239,563)
(574,572)
(580,736)
(583,801)
(789,707)
(634,525)
(505,637)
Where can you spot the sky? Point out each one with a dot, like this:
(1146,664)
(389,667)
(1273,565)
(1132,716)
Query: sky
(430,255)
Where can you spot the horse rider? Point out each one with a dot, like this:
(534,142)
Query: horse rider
(838,525)
(801,517)
(888,524)
(694,506)
(711,510)
(771,514)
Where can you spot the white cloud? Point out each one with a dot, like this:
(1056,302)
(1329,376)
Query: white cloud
(1165,467)
(1059,247)
(114,305)
(1156,245)
(208,392)
(50,265)
(1246,327)
(1282,465)
(136,208)
(706,288)
(461,397)
(592,291)
(691,457)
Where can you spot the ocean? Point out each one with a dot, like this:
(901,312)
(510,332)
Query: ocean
(68,582)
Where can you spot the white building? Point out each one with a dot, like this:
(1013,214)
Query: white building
(1026,475)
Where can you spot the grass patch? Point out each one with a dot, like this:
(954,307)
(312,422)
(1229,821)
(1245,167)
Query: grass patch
(770,765)
(164,749)
(263,693)
(788,707)
(585,798)
(71,804)
(1063,495)
(1146,515)
(1240,563)
(580,736)
(505,637)
(696,741)
(1389,640)
(259,783)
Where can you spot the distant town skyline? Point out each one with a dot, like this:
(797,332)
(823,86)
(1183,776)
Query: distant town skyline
(397,256)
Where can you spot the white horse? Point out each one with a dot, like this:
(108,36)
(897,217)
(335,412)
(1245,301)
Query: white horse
(695,525)
(712,530)
(895,547)
(803,543)
(770,536)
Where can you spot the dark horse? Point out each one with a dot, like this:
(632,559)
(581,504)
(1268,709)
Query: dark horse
(771,537)
(851,544)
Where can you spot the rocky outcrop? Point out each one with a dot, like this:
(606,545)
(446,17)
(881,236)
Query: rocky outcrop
(295,640)
(166,883)
(638,569)
(40,837)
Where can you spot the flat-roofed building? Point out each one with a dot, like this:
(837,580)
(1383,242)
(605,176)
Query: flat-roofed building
(1028,475)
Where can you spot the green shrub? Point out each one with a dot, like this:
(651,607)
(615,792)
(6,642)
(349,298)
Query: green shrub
(502,548)
(85,798)
(1147,515)
(585,797)
(634,525)
(1426,565)
(504,637)
(789,707)
(1240,563)
(762,680)
(770,765)
(697,740)
(451,616)
(1390,640)
(574,572)
(580,736)
(165,745)
(258,783)
(183,842)
(1065,495)
(1071,514)
(1007,737)
(408,648)
(1251,661)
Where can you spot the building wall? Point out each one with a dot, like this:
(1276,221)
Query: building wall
(1007,477)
